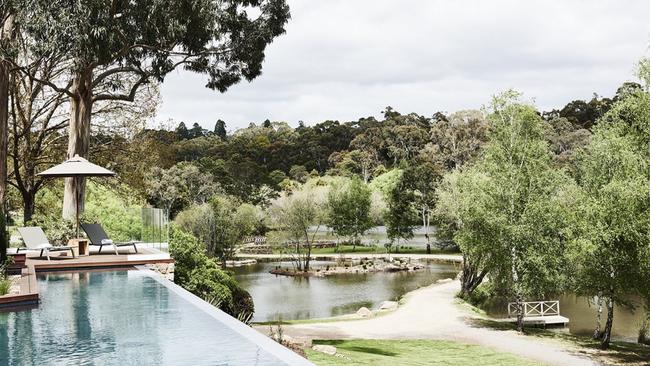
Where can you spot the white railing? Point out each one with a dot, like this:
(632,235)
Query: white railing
(535,308)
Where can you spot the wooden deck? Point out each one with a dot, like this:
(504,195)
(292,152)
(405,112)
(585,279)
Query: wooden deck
(538,313)
(63,261)
(542,320)
(126,258)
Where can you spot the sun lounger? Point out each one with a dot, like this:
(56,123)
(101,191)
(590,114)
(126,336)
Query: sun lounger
(35,239)
(98,237)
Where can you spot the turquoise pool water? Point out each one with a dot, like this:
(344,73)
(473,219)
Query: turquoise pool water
(128,318)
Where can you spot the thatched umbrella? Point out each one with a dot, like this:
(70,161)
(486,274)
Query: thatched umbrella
(77,168)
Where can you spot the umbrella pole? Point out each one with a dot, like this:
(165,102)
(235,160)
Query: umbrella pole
(77,192)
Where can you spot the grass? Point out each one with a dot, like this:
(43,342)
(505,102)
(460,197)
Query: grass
(619,353)
(412,352)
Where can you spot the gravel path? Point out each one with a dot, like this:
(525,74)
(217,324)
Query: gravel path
(432,313)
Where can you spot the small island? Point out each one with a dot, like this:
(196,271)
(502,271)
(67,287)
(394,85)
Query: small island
(361,266)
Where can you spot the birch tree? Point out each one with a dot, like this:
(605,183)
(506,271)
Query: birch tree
(610,255)
(509,209)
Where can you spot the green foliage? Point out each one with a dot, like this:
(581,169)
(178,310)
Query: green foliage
(349,209)
(386,182)
(179,186)
(299,173)
(199,33)
(201,275)
(221,224)
(507,211)
(481,295)
(5,285)
(401,215)
(295,214)
(57,230)
(119,214)
(232,222)
(610,252)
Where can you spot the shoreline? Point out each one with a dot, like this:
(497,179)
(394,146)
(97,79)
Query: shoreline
(436,258)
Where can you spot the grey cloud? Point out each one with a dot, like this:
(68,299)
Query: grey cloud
(344,59)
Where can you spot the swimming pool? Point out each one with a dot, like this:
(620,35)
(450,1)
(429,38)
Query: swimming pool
(129,318)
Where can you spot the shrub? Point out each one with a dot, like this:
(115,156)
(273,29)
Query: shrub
(480,296)
(5,286)
(57,230)
(120,217)
(201,275)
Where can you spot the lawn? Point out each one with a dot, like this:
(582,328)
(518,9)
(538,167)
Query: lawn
(619,353)
(412,352)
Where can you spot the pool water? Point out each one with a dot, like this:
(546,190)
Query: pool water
(128,318)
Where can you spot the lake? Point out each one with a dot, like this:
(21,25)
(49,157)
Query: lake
(321,297)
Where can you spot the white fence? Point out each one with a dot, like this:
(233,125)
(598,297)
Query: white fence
(535,308)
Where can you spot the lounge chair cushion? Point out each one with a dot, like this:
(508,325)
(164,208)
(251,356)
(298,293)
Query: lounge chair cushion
(106,241)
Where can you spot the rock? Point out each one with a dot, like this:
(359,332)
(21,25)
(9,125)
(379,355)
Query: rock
(326,349)
(445,280)
(388,305)
(364,312)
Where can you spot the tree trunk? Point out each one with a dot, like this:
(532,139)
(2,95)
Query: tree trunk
(470,279)
(7,30)
(518,298)
(4,124)
(607,334)
(599,311)
(78,140)
(29,200)
(425,223)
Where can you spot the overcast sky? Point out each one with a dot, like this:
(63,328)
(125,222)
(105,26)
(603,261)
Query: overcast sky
(345,59)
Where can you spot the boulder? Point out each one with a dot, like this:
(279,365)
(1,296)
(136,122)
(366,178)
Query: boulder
(364,312)
(388,305)
(326,349)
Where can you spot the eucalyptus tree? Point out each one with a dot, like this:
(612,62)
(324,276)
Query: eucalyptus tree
(8,10)
(123,45)
(611,251)
(509,208)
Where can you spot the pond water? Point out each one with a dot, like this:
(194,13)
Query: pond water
(582,316)
(308,298)
(321,297)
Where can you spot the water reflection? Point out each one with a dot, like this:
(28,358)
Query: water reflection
(118,318)
(582,316)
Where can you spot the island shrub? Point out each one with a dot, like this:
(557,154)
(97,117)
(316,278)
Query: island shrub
(202,276)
